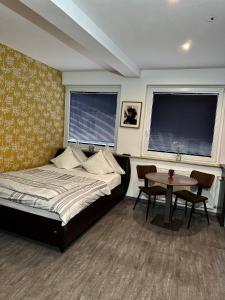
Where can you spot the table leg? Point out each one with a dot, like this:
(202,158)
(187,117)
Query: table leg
(169,195)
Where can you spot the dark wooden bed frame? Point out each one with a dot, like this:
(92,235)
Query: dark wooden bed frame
(51,231)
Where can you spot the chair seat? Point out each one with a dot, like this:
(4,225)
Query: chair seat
(153,190)
(189,196)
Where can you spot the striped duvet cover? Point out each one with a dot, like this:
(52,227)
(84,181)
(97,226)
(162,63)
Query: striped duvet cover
(52,189)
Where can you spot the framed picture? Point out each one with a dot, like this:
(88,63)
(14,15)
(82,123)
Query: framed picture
(130,114)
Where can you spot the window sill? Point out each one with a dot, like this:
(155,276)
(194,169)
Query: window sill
(85,146)
(209,164)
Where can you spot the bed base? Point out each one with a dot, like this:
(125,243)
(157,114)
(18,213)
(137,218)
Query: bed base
(51,231)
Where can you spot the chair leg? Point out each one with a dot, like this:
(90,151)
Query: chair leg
(149,200)
(154,201)
(185,209)
(192,210)
(174,207)
(137,199)
(206,213)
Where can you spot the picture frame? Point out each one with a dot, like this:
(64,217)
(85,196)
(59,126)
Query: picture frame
(130,114)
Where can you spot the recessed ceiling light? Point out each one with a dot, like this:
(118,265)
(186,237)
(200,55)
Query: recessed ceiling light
(186,46)
(173,1)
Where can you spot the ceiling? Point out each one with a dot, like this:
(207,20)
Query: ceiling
(24,36)
(123,36)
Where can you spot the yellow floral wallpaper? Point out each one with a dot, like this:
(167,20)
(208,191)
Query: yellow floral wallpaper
(31,111)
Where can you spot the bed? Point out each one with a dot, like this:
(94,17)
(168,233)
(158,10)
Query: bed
(48,229)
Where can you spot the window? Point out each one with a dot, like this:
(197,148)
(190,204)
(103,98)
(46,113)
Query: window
(92,116)
(183,121)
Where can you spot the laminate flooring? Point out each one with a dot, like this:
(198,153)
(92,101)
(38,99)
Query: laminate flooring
(120,257)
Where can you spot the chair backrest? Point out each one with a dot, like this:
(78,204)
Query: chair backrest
(142,170)
(205,180)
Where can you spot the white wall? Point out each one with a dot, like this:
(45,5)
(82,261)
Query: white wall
(134,89)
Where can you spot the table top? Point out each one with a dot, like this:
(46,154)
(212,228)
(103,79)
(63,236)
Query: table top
(178,180)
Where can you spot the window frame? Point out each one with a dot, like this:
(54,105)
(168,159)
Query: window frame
(94,89)
(216,145)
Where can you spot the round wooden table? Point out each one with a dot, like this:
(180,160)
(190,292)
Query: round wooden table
(170,182)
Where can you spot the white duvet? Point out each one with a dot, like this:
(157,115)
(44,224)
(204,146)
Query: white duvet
(70,201)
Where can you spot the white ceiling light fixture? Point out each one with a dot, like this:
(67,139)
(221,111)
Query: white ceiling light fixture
(172,2)
(186,46)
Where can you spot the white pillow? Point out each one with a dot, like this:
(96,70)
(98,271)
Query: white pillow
(97,164)
(78,153)
(112,161)
(66,160)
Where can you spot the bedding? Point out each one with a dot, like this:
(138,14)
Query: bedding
(30,209)
(66,160)
(97,164)
(37,182)
(65,192)
(112,161)
(78,153)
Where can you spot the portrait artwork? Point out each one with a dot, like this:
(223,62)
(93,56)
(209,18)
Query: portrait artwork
(130,114)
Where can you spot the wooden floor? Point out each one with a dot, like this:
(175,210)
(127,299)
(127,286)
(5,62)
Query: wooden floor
(120,257)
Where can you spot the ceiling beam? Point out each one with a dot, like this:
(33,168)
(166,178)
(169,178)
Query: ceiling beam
(68,23)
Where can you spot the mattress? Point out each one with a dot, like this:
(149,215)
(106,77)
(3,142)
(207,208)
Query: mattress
(112,180)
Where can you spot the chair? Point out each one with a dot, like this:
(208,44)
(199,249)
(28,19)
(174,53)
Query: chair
(154,190)
(205,180)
